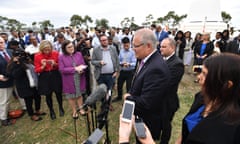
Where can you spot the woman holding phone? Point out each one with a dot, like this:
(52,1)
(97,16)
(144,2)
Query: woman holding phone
(72,68)
(49,79)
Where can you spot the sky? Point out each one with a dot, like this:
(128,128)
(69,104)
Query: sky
(59,12)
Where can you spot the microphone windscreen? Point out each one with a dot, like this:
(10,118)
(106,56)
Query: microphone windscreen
(97,94)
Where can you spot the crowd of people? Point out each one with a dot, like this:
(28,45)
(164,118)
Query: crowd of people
(152,63)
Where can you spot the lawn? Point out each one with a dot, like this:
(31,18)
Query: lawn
(62,130)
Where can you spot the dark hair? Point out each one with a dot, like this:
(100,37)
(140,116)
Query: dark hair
(220,33)
(125,40)
(222,69)
(13,43)
(225,37)
(64,47)
(3,33)
(60,35)
(30,31)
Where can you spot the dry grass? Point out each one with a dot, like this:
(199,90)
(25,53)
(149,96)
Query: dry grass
(61,130)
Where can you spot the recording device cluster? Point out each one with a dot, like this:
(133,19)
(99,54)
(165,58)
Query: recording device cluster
(127,114)
(22,55)
(98,94)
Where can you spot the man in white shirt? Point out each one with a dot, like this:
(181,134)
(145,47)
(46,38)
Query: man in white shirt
(33,47)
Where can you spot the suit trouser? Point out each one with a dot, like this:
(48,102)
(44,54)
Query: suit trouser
(124,76)
(5,94)
(29,103)
(167,127)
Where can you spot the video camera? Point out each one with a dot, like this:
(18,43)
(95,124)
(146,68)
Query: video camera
(23,56)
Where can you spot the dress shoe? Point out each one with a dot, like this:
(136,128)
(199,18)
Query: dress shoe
(52,115)
(61,112)
(35,118)
(8,122)
(117,99)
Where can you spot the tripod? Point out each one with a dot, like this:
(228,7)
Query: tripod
(100,120)
(102,117)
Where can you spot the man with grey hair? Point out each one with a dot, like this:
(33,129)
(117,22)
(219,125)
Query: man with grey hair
(150,82)
(176,67)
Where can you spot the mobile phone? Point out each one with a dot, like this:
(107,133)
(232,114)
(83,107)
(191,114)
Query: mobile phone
(127,111)
(94,137)
(139,128)
(197,68)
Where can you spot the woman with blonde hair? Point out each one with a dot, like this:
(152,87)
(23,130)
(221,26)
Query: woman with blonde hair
(49,80)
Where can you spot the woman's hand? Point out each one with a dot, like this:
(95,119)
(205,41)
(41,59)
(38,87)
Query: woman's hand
(125,130)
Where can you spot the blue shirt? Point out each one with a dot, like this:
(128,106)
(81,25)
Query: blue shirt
(202,50)
(127,56)
(193,119)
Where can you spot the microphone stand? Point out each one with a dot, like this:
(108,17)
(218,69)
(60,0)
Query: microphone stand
(103,116)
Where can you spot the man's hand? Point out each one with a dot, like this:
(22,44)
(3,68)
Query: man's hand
(3,78)
(115,74)
(126,95)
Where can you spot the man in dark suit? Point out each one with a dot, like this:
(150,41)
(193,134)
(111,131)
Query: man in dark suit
(234,46)
(176,67)
(161,35)
(6,84)
(150,82)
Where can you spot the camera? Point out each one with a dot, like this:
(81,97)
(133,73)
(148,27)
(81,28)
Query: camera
(23,56)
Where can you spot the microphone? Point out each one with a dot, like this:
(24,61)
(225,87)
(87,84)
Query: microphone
(97,94)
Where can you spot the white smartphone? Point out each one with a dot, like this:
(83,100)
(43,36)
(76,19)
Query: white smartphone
(127,111)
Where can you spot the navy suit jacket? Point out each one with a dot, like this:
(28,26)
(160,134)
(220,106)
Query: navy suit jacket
(3,71)
(176,68)
(160,38)
(233,46)
(148,91)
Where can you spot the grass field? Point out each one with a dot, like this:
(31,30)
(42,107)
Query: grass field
(61,130)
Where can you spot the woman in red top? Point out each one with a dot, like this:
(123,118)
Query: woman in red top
(49,80)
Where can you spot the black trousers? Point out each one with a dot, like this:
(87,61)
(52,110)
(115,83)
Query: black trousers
(167,127)
(124,76)
(50,102)
(29,103)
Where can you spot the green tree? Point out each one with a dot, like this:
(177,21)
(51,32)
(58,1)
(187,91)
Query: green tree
(226,17)
(148,21)
(34,24)
(171,19)
(76,20)
(46,23)
(102,23)
(13,23)
(128,22)
(87,19)
(3,22)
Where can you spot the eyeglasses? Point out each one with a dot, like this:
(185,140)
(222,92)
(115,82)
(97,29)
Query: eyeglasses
(136,46)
